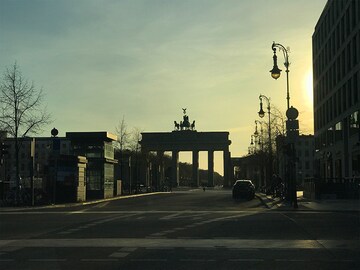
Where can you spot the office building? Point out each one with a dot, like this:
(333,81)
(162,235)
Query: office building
(336,76)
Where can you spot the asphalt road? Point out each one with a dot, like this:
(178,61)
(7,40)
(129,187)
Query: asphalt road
(179,230)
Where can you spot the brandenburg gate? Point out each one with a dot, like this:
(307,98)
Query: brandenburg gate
(185,138)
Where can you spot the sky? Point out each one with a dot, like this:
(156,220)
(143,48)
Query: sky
(99,61)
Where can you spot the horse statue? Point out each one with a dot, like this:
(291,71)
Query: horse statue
(177,125)
(192,127)
(185,124)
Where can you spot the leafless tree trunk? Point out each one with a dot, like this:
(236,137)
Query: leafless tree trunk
(21,111)
(123,136)
(135,148)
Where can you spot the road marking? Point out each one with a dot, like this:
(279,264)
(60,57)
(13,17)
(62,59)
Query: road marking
(7,260)
(191,242)
(168,212)
(47,260)
(158,234)
(246,260)
(119,254)
(128,249)
(289,260)
(185,215)
(197,260)
(148,260)
(99,260)
(160,248)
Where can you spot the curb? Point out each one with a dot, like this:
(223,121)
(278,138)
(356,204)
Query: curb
(13,209)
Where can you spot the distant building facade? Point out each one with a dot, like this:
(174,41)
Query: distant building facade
(336,76)
(97,147)
(304,158)
(305,152)
(43,151)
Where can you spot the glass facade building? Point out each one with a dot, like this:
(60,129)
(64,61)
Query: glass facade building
(336,76)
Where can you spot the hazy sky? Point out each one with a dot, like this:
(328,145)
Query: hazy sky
(100,60)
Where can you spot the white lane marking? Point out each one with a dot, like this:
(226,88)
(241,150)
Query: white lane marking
(289,260)
(148,260)
(128,249)
(185,215)
(246,260)
(158,234)
(47,260)
(166,212)
(192,242)
(207,248)
(160,248)
(99,260)
(95,223)
(119,254)
(197,260)
(101,205)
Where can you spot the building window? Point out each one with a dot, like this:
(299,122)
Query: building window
(330,136)
(354,123)
(94,179)
(338,131)
(356,89)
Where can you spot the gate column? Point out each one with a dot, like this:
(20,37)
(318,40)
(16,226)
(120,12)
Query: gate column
(160,168)
(226,167)
(174,168)
(211,168)
(195,168)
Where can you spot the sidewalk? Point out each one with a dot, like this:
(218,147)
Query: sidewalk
(304,204)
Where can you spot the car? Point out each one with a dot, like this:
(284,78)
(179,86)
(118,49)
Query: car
(243,189)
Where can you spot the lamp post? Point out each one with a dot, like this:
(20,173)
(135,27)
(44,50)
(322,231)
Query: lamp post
(275,72)
(261,115)
(55,154)
(253,143)
(260,143)
(292,124)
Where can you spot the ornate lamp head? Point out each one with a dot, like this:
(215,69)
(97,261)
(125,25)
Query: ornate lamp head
(275,72)
(261,112)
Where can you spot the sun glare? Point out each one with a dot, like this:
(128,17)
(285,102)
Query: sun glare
(309,86)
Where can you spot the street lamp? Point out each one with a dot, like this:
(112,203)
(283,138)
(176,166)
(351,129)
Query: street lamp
(261,115)
(256,133)
(275,72)
(260,143)
(292,124)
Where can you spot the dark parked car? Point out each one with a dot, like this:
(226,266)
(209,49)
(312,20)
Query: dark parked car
(243,189)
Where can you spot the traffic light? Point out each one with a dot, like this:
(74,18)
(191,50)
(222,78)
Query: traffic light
(3,149)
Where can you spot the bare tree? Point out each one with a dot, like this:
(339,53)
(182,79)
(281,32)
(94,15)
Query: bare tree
(135,139)
(123,135)
(21,113)
(135,148)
